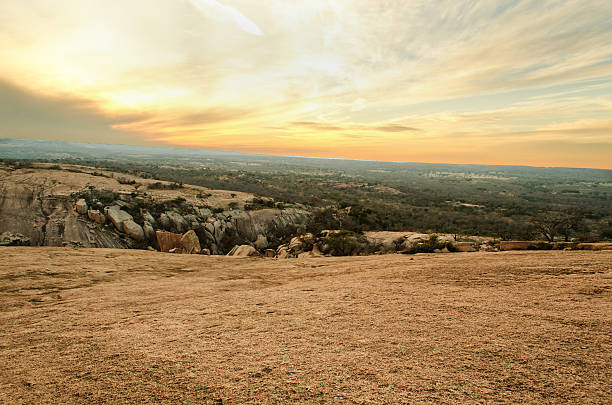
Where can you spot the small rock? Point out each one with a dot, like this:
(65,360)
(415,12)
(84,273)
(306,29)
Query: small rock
(96,216)
(81,206)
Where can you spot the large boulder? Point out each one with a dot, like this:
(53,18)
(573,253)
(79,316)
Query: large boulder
(261,242)
(133,230)
(164,221)
(117,216)
(148,217)
(149,231)
(96,216)
(174,242)
(168,240)
(81,206)
(243,251)
(179,223)
(190,242)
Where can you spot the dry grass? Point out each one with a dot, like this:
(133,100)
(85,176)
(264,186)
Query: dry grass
(118,326)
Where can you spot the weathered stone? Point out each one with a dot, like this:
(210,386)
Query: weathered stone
(81,206)
(243,251)
(296,244)
(149,231)
(148,217)
(133,230)
(269,253)
(190,242)
(283,252)
(178,221)
(14,239)
(204,213)
(261,242)
(117,216)
(168,240)
(96,216)
(164,221)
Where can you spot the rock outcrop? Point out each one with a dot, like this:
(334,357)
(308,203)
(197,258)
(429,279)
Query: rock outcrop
(96,216)
(190,242)
(117,216)
(133,230)
(176,243)
(11,239)
(81,206)
(243,251)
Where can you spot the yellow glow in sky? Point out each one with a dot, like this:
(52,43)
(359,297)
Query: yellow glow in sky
(491,82)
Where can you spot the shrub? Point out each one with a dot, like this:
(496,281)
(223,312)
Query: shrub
(430,246)
(347,243)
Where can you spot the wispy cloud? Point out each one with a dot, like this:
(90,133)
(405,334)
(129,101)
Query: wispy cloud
(396,80)
(216,10)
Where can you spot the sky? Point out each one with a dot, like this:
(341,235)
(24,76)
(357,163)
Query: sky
(481,81)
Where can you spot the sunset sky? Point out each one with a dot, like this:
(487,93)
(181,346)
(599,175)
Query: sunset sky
(488,82)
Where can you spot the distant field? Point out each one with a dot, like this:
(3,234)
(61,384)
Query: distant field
(109,326)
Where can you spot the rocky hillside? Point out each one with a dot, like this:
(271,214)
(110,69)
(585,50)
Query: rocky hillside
(51,205)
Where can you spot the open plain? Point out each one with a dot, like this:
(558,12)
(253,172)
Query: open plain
(125,326)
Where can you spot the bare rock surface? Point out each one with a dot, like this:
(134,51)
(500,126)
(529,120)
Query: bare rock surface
(132,326)
(243,251)
(133,230)
(190,242)
(96,216)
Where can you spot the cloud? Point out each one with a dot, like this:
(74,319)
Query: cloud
(218,11)
(394,80)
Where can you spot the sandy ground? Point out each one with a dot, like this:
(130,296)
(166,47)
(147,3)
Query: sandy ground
(119,326)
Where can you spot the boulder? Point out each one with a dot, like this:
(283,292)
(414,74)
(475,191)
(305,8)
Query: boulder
(133,230)
(190,242)
(148,217)
(168,240)
(243,251)
(117,216)
(179,223)
(149,231)
(261,242)
(81,206)
(296,244)
(177,243)
(283,252)
(164,221)
(269,253)
(96,216)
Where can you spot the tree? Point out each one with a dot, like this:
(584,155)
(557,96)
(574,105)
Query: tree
(553,223)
